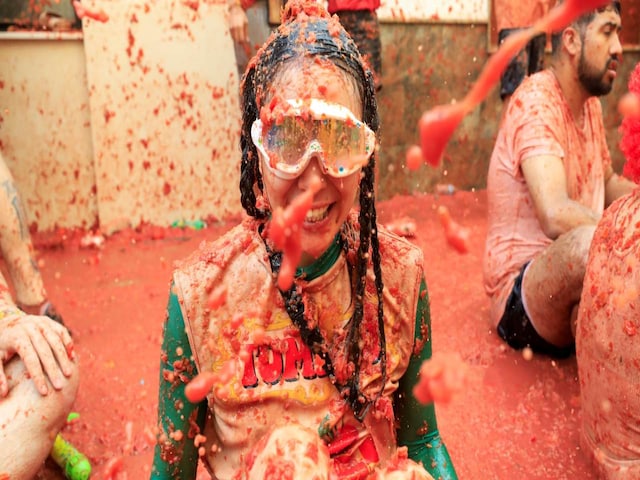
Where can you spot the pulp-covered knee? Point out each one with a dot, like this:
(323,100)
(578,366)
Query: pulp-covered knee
(52,408)
(290,448)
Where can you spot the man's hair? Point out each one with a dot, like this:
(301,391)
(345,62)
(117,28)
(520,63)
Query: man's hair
(581,22)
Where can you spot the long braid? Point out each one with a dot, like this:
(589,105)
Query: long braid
(368,242)
(249,170)
(368,202)
(294,304)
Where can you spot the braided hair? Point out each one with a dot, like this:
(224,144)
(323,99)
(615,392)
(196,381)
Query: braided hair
(308,31)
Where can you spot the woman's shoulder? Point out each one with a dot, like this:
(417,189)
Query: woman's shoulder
(238,242)
(398,249)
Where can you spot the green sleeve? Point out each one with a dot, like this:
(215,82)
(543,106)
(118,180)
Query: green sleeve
(417,425)
(176,456)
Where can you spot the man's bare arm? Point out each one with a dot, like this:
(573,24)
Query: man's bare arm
(547,182)
(616,186)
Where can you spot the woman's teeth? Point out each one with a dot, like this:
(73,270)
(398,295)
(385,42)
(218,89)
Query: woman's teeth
(316,214)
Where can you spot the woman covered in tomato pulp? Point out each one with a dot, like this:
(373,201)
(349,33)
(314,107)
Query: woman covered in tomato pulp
(292,343)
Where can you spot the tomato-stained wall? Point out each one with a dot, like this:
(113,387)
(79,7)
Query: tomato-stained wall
(136,119)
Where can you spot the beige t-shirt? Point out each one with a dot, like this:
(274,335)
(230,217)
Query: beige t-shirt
(607,346)
(538,122)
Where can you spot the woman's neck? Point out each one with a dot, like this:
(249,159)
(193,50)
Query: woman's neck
(323,263)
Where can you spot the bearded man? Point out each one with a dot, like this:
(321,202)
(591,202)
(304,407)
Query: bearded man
(550,179)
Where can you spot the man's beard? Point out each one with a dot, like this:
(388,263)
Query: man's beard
(594,81)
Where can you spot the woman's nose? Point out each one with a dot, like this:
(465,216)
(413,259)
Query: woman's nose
(313,172)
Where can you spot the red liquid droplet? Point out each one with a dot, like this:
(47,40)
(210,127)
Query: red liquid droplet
(198,388)
(629,105)
(436,127)
(457,236)
(285,231)
(414,157)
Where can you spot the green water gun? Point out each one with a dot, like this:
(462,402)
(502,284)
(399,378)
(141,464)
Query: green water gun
(73,463)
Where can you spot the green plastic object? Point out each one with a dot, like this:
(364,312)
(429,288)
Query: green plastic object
(73,416)
(195,224)
(74,464)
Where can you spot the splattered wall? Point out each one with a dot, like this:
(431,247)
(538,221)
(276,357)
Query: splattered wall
(135,118)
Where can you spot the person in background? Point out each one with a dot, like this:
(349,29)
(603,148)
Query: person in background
(550,178)
(512,17)
(249,28)
(38,372)
(607,348)
(360,20)
(311,377)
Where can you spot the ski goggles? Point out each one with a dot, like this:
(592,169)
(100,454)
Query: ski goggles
(331,132)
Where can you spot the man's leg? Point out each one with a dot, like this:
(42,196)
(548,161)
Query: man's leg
(29,421)
(552,285)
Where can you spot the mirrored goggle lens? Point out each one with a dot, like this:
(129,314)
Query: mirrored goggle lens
(345,144)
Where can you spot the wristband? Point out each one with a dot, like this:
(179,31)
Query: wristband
(9,312)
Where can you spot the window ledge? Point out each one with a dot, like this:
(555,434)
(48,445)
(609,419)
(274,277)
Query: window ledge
(41,35)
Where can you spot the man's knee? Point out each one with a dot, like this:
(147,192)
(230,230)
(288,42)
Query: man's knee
(52,408)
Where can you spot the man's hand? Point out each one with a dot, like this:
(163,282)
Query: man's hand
(238,24)
(44,346)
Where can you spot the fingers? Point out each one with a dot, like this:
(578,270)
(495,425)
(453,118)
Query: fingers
(29,356)
(238,26)
(244,33)
(46,349)
(48,342)
(62,349)
(236,33)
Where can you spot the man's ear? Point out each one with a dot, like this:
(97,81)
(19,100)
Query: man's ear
(572,41)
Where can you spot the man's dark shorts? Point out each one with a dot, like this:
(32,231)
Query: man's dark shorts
(529,60)
(515,327)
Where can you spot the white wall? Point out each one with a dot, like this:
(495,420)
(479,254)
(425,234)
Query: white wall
(45,127)
(134,120)
(462,11)
(165,111)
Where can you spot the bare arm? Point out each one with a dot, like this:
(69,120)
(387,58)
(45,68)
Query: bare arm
(547,182)
(238,22)
(616,186)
